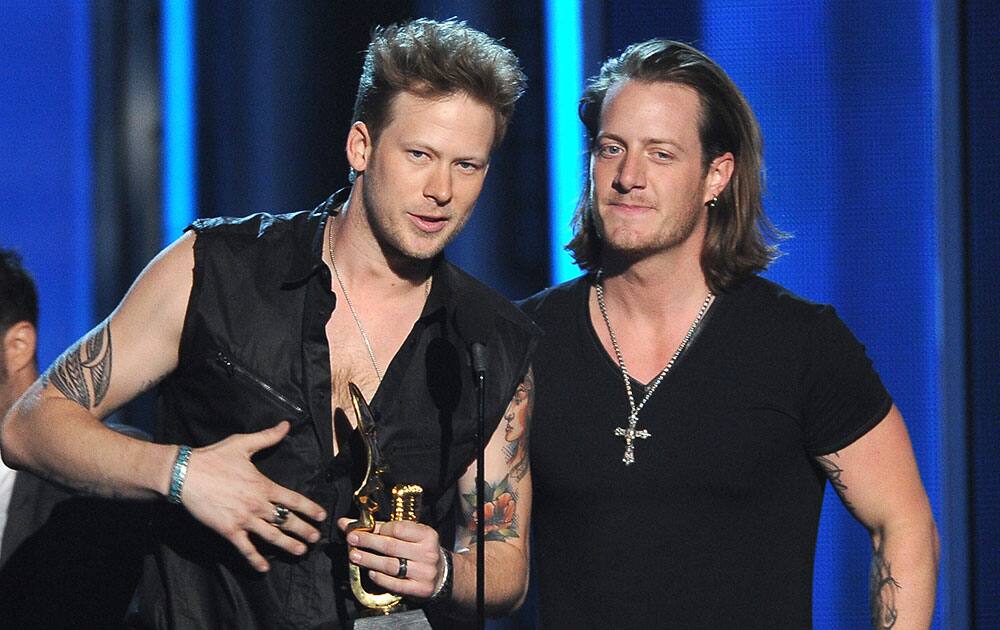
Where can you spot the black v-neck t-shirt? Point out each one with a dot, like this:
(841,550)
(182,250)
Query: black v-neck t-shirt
(714,525)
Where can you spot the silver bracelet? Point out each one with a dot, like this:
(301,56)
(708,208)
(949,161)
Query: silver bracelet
(442,591)
(178,474)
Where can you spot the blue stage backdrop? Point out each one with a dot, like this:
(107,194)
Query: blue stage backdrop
(45,162)
(982,162)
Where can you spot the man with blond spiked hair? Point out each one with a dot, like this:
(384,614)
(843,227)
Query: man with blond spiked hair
(254,328)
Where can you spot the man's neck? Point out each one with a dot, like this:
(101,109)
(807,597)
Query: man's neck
(362,261)
(655,288)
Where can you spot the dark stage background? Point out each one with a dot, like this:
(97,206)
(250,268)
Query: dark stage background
(880,124)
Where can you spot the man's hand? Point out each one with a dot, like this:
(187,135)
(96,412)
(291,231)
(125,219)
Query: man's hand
(381,552)
(226,492)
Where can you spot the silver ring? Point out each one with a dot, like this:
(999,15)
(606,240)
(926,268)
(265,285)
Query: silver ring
(401,574)
(280,515)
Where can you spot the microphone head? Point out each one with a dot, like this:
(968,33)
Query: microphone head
(480,357)
(471,320)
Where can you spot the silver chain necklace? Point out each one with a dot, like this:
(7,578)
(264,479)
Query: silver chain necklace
(350,305)
(631,434)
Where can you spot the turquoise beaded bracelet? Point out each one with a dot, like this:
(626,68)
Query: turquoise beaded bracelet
(178,473)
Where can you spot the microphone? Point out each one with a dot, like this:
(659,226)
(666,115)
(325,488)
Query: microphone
(469,322)
(479,358)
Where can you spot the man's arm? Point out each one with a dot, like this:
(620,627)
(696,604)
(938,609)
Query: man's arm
(878,481)
(507,511)
(55,429)
(508,514)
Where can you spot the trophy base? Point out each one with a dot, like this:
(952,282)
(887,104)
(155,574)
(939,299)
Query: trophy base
(407,620)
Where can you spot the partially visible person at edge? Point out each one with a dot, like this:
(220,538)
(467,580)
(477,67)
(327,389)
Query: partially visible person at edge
(253,328)
(65,561)
(690,412)
(18,370)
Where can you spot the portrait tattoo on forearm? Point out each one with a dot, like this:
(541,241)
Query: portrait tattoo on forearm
(833,473)
(883,590)
(83,373)
(500,512)
(516,428)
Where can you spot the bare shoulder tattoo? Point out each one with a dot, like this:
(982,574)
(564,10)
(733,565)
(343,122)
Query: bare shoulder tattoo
(516,427)
(83,373)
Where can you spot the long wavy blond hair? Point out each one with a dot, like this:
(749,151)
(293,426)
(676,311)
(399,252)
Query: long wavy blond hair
(740,240)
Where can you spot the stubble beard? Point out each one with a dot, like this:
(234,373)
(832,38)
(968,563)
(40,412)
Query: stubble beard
(629,246)
(392,237)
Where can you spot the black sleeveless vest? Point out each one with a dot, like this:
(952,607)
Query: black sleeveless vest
(254,352)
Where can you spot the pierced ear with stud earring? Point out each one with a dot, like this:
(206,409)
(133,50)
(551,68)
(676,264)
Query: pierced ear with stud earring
(711,203)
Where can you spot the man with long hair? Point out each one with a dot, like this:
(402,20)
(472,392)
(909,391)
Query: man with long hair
(690,412)
(254,327)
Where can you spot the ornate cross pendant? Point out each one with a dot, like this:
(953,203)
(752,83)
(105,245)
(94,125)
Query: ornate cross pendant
(630,434)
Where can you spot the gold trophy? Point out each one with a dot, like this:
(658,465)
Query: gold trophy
(405,506)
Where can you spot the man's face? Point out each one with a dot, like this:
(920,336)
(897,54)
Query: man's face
(422,177)
(648,188)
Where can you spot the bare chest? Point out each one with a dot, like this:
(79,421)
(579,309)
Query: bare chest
(361,357)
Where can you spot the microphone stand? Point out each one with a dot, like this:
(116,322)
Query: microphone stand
(479,366)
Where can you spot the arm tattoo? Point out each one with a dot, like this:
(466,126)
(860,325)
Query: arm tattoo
(90,357)
(833,473)
(500,512)
(883,589)
(516,430)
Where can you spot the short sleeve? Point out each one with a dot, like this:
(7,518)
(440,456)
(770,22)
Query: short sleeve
(844,397)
